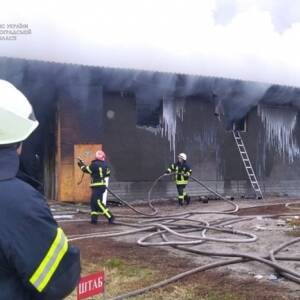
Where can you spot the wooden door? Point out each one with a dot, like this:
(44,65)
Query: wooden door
(86,152)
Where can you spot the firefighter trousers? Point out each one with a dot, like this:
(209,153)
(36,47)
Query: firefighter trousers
(97,205)
(183,197)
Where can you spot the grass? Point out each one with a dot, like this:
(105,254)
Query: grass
(189,292)
(295,223)
(122,276)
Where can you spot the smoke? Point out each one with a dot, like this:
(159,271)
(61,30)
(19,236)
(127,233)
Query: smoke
(257,40)
(235,100)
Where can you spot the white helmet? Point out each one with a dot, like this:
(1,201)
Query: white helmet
(16,115)
(182,156)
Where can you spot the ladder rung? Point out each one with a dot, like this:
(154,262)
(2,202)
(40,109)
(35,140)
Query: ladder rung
(247,163)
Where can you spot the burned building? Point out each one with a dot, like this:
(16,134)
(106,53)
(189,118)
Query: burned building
(142,119)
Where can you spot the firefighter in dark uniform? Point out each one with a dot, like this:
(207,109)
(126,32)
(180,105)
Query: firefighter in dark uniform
(36,261)
(99,170)
(182,173)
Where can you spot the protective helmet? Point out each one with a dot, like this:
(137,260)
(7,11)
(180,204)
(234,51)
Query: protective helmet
(182,156)
(100,155)
(16,115)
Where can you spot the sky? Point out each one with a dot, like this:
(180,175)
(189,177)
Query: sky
(257,40)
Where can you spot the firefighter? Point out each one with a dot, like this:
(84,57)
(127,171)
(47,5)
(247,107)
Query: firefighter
(37,263)
(99,170)
(182,173)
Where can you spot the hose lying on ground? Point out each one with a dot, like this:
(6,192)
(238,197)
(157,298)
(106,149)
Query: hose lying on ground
(180,231)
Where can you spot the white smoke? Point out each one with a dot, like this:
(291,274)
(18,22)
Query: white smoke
(244,39)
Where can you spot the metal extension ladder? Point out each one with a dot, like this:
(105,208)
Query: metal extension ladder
(248,166)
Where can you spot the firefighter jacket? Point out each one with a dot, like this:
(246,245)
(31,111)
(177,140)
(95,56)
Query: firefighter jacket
(98,170)
(182,172)
(36,261)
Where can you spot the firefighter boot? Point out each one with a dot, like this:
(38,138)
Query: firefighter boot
(94,219)
(187,199)
(180,202)
(111,220)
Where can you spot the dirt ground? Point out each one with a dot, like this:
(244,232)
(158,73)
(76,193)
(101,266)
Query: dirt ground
(129,266)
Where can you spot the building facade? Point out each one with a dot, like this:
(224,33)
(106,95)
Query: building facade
(143,119)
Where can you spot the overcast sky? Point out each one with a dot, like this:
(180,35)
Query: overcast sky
(245,39)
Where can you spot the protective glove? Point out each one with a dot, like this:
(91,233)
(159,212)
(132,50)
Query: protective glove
(80,163)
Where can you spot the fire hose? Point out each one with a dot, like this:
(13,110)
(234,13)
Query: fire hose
(178,225)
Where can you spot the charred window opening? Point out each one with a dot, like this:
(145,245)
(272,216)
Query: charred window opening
(148,113)
(127,94)
(240,125)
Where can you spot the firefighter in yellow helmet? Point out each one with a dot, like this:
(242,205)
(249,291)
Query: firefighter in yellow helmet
(182,173)
(36,259)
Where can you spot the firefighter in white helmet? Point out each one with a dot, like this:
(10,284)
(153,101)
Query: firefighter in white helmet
(182,173)
(35,258)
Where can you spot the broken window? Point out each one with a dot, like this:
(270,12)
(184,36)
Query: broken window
(240,125)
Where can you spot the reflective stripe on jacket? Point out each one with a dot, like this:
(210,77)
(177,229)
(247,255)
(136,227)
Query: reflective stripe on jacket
(36,261)
(98,170)
(182,172)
